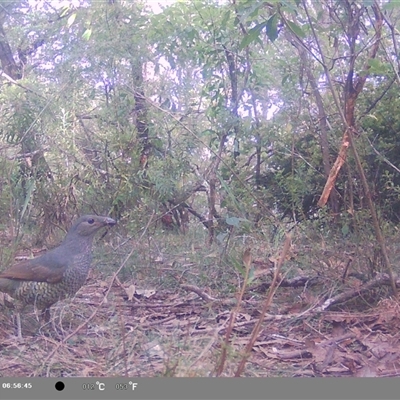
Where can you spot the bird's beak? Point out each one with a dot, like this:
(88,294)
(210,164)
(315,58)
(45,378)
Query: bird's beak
(109,221)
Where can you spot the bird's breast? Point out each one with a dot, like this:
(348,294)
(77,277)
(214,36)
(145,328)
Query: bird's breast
(77,272)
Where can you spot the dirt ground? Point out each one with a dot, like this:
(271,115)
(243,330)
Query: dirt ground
(170,334)
(125,326)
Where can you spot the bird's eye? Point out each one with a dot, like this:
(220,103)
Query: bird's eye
(90,221)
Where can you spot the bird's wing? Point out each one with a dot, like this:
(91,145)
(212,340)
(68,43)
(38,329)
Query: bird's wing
(39,269)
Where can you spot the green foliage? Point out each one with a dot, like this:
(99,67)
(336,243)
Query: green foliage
(382,129)
(76,107)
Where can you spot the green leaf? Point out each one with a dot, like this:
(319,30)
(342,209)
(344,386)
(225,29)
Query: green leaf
(271,27)
(71,20)
(251,276)
(285,79)
(221,237)
(368,3)
(377,67)
(288,5)
(86,35)
(372,116)
(191,33)
(296,29)
(233,221)
(28,197)
(64,11)
(390,6)
(374,63)
(210,132)
(252,35)
(225,18)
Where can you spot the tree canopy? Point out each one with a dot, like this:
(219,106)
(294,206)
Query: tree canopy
(243,107)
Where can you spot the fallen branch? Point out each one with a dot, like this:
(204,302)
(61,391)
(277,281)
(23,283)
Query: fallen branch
(207,297)
(379,280)
(299,281)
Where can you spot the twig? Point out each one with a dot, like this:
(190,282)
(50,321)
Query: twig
(199,292)
(232,317)
(272,290)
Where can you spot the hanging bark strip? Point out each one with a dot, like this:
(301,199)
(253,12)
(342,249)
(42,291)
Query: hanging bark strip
(353,88)
(341,158)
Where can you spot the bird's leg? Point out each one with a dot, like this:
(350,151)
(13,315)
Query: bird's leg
(17,309)
(46,314)
(46,317)
(19,329)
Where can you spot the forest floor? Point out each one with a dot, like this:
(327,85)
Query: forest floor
(167,313)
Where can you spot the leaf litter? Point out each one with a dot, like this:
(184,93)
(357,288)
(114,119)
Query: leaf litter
(154,331)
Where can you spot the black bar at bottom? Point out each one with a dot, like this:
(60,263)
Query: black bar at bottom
(198,388)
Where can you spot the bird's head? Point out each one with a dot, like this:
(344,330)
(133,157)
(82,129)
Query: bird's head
(88,225)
